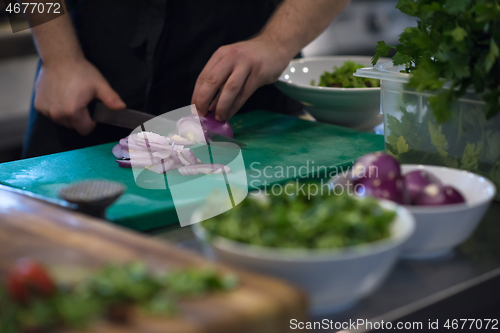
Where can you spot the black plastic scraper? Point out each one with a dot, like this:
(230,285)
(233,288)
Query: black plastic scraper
(92,197)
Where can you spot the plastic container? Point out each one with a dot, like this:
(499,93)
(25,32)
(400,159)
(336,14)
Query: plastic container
(468,141)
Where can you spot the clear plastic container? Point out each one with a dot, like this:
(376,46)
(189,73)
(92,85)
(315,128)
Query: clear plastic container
(468,141)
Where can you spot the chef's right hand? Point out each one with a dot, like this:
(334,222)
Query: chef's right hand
(63,91)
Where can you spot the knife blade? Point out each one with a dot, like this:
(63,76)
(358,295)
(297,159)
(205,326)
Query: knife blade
(131,119)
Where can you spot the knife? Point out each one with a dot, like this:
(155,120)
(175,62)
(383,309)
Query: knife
(131,119)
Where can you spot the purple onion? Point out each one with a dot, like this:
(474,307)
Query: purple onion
(389,189)
(188,156)
(209,123)
(124,163)
(162,166)
(436,195)
(203,168)
(124,143)
(417,180)
(118,152)
(375,166)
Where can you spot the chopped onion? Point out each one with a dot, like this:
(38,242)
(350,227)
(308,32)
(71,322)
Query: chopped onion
(162,154)
(187,157)
(179,140)
(162,166)
(124,163)
(151,145)
(195,128)
(190,128)
(203,168)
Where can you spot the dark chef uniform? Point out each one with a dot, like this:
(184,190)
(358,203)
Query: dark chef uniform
(151,52)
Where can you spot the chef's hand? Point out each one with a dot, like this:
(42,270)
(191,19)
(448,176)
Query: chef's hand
(64,89)
(234,72)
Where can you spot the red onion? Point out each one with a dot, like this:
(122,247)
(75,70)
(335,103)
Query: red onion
(203,168)
(179,140)
(389,189)
(190,128)
(195,128)
(436,195)
(124,143)
(118,152)
(417,180)
(176,160)
(375,166)
(162,166)
(209,123)
(187,157)
(143,144)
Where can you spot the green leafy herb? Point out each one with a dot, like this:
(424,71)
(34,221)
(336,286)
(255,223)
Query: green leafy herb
(343,77)
(455,41)
(296,220)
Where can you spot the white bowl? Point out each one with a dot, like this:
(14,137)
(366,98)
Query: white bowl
(352,107)
(333,279)
(440,229)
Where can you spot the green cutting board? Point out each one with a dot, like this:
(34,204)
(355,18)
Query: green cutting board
(279,148)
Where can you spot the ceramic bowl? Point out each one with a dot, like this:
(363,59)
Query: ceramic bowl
(439,229)
(352,107)
(333,279)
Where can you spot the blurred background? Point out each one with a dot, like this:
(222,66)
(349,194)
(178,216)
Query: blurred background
(355,32)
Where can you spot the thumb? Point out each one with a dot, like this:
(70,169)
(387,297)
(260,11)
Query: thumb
(109,97)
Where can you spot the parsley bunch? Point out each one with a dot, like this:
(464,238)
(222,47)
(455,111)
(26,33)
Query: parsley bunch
(455,41)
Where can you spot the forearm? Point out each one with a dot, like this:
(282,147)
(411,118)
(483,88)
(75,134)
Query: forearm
(297,22)
(56,41)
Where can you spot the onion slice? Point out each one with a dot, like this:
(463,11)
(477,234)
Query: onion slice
(162,166)
(203,168)
(187,157)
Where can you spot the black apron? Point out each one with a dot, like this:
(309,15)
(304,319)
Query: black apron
(151,52)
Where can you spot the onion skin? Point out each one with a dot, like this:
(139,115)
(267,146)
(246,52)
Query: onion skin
(389,189)
(436,195)
(416,181)
(189,170)
(375,166)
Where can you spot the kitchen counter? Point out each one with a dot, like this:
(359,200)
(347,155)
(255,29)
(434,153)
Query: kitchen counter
(456,286)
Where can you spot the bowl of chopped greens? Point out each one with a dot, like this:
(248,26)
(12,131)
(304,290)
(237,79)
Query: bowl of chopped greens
(337,248)
(329,91)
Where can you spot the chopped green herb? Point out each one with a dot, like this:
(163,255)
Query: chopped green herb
(342,77)
(295,221)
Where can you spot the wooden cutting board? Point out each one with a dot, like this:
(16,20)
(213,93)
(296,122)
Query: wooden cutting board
(59,238)
(279,148)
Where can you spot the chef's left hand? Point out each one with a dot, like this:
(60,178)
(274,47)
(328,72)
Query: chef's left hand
(234,72)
